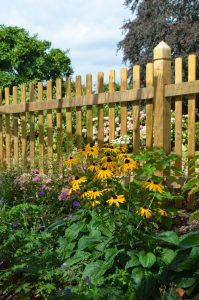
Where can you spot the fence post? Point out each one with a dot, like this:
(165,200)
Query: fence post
(162,106)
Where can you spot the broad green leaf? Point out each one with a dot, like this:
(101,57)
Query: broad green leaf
(133,262)
(73,231)
(103,245)
(167,255)
(95,270)
(88,242)
(79,256)
(189,240)
(147,259)
(56,225)
(110,254)
(189,264)
(144,282)
(186,282)
(169,236)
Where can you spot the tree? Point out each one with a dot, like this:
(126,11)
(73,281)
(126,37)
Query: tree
(25,58)
(174,21)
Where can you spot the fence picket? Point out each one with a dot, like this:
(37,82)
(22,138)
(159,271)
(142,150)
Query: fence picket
(15,124)
(136,110)
(59,125)
(79,113)
(32,130)
(178,115)
(100,87)
(23,125)
(8,132)
(191,124)
(41,130)
(50,128)
(89,113)
(111,88)
(123,109)
(68,115)
(149,108)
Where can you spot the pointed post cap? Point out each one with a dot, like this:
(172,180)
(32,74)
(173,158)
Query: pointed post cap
(162,51)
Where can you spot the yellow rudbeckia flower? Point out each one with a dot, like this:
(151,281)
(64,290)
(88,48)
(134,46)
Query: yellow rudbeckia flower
(94,203)
(145,212)
(153,186)
(162,212)
(103,173)
(117,200)
(92,194)
(129,165)
(71,161)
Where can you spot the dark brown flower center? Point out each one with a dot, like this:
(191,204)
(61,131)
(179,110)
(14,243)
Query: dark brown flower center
(114,197)
(104,169)
(76,177)
(109,159)
(127,161)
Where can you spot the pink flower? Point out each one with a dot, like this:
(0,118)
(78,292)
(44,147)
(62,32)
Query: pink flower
(37,179)
(48,180)
(64,194)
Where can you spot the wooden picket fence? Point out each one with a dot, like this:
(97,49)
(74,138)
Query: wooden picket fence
(157,94)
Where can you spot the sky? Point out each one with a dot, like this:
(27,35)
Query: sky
(90,29)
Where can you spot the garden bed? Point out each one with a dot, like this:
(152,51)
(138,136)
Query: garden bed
(89,234)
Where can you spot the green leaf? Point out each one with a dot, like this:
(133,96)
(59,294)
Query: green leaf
(110,254)
(144,282)
(186,282)
(103,245)
(95,270)
(147,259)
(167,255)
(79,256)
(88,242)
(169,236)
(73,231)
(56,225)
(133,262)
(189,240)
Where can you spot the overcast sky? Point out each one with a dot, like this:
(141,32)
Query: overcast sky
(91,29)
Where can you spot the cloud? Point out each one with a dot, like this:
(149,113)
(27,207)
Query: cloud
(89,28)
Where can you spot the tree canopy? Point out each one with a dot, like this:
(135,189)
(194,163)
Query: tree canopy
(174,21)
(25,58)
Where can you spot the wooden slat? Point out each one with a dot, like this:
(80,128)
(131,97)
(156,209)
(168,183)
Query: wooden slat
(68,115)
(149,108)
(181,89)
(78,114)
(1,135)
(89,114)
(123,109)
(41,130)
(23,124)
(32,130)
(50,128)
(15,124)
(191,124)
(136,110)
(8,132)
(111,88)
(59,125)
(129,95)
(100,87)
(178,115)
(178,125)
